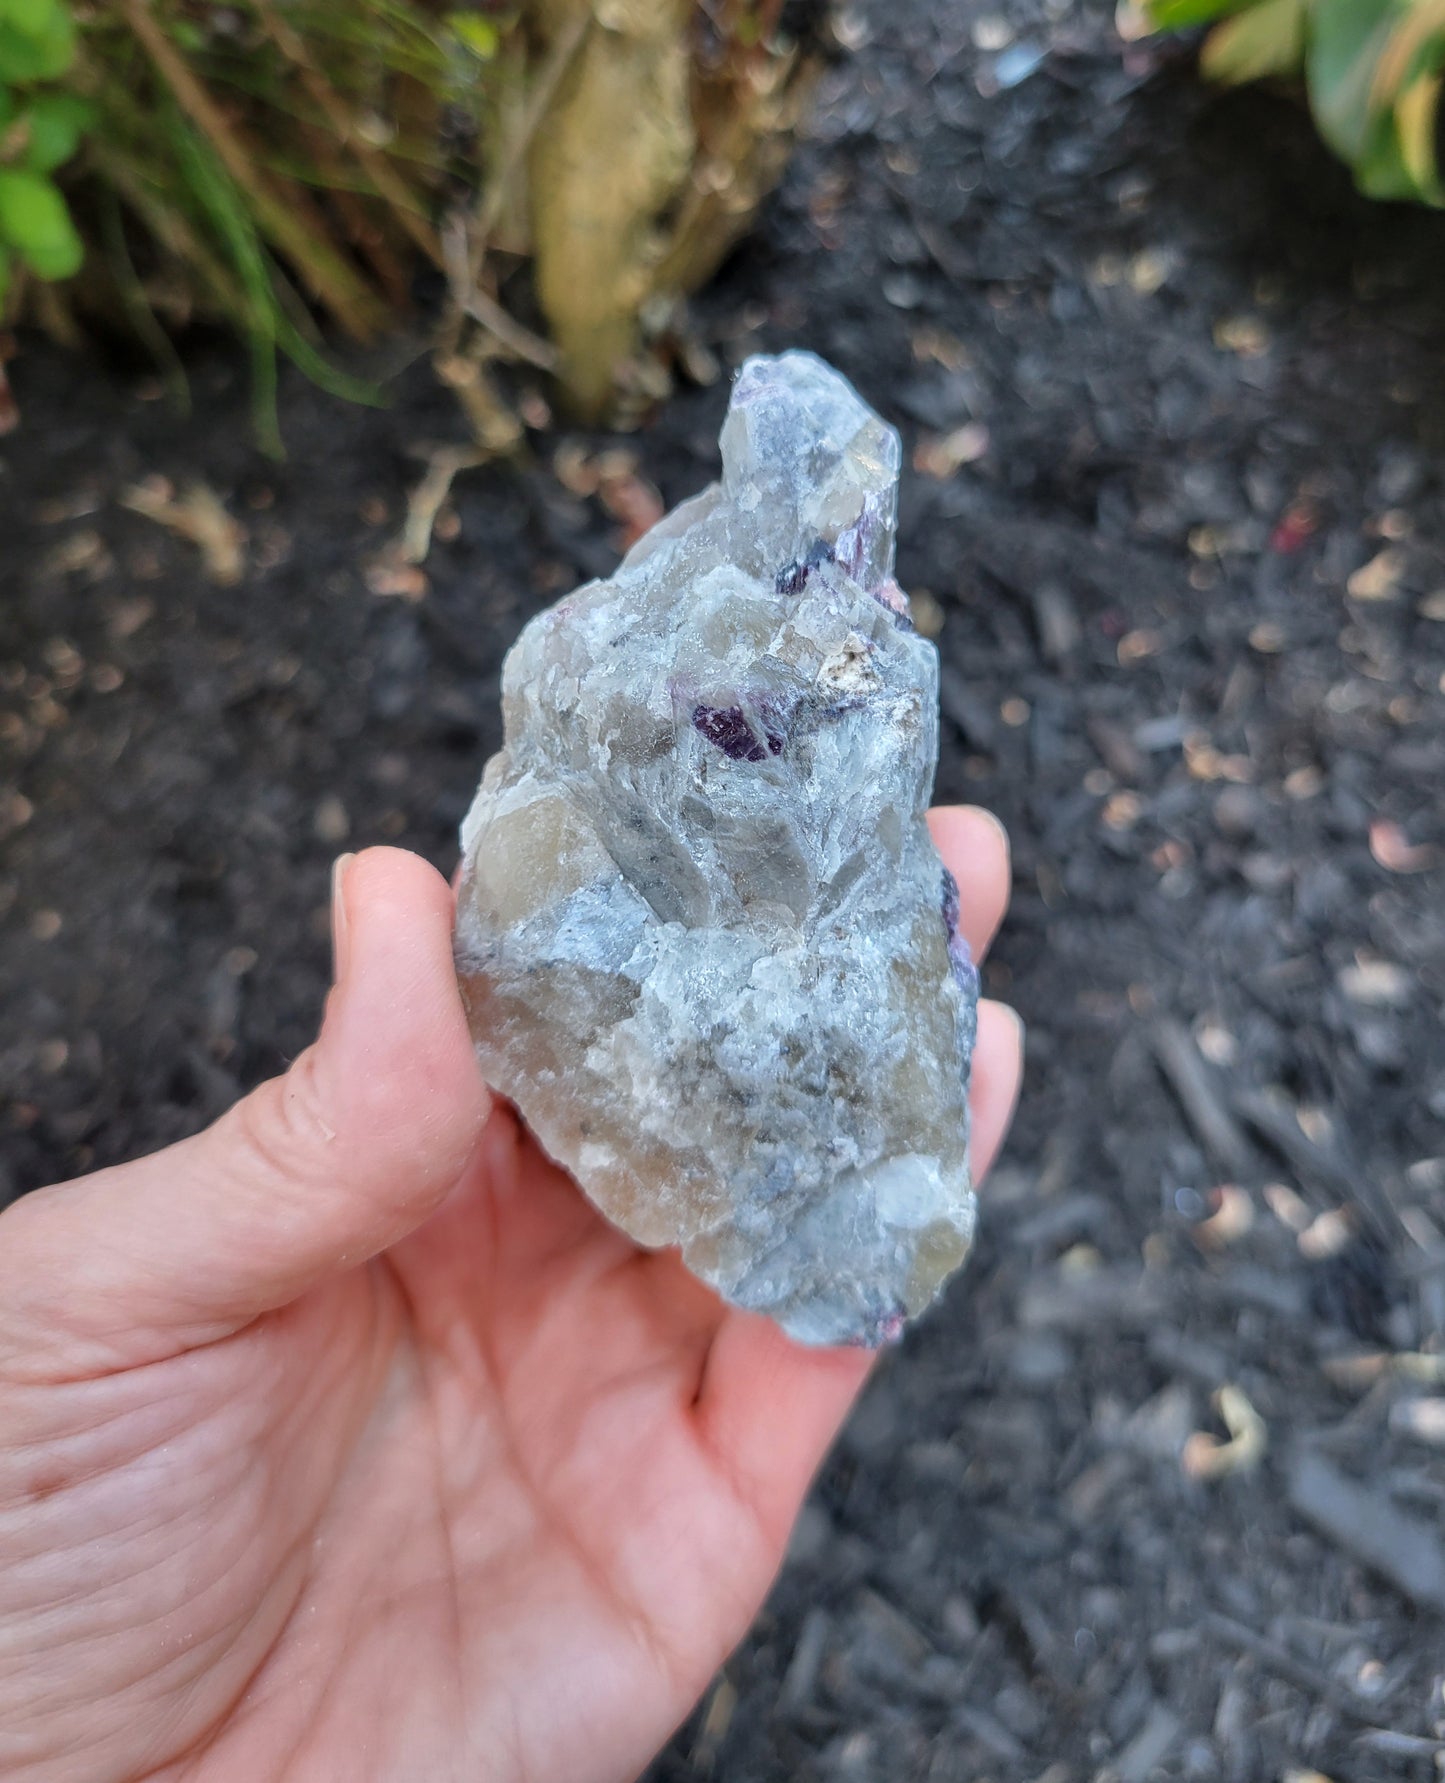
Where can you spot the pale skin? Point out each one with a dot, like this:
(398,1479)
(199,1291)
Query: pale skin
(345,1441)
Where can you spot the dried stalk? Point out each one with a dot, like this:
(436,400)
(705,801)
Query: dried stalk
(371,244)
(748,143)
(388,182)
(484,309)
(178,239)
(425,501)
(326,274)
(519,341)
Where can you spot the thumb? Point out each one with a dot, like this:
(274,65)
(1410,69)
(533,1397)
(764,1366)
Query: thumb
(314,1172)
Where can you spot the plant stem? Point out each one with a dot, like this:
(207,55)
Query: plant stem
(493,199)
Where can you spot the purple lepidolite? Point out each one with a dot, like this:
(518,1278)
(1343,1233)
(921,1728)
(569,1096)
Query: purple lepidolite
(705,941)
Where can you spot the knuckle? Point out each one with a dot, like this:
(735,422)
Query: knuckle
(284,1124)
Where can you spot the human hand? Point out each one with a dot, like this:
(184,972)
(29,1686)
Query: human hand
(346,1441)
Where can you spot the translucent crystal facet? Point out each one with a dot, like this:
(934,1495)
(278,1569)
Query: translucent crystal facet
(706,944)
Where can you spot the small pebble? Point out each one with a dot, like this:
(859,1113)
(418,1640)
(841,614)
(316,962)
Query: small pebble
(330,824)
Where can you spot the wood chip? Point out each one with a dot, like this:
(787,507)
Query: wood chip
(940,456)
(1060,632)
(127,617)
(1149,270)
(81,551)
(925,612)
(942,348)
(1280,1660)
(1150,1746)
(716,1719)
(1424,1419)
(1206,1458)
(1304,783)
(1117,749)
(635,502)
(330,823)
(1139,646)
(1328,1234)
(1394,851)
(575,469)
(963,708)
(1377,984)
(1377,579)
(391,575)
(1073,1299)
(1357,1373)
(1369,1526)
(1245,336)
(802,1672)
(1279,1122)
(1195,1085)
(1232,1218)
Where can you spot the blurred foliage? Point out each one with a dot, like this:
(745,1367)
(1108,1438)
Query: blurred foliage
(287,165)
(1372,70)
(40,129)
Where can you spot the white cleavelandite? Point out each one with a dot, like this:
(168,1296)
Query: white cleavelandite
(704,938)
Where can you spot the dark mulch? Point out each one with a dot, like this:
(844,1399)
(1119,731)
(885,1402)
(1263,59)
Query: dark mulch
(1194,633)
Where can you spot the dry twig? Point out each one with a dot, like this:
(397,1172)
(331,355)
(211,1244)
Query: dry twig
(200,516)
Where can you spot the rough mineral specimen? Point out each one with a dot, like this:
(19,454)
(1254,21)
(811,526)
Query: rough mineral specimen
(705,941)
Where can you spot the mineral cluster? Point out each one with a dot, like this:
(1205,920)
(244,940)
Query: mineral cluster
(705,941)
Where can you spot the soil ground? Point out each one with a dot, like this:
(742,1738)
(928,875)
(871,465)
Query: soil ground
(1174,405)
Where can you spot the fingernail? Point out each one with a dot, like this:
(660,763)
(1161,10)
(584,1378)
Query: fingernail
(340,928)
(997,825)
(1015,1020)
(1020,1029)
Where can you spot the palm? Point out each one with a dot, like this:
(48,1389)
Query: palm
(493,1504)
(534,1513)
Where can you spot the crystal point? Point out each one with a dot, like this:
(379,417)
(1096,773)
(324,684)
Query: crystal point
(705,941)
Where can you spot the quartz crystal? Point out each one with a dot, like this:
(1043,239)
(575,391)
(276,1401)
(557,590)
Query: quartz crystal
(705,941)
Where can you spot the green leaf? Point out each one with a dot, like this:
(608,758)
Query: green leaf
(1346,40)
(1416,48)
(21,59)
(35,222)
(1178,15)
(32,17)
(323,373)
(38,50)
(1417,115)
(481,35)
(55,123)
(1381,172)
(1267,40)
